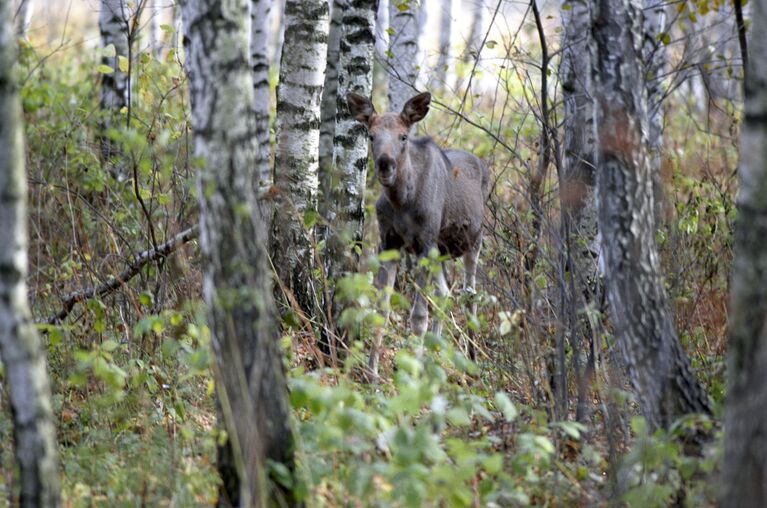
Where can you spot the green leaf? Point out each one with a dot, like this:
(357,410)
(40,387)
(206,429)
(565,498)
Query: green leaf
(122,63)
(109,51)
(504,405)
(311,217)
(109,345)
(105,69)
(389,255)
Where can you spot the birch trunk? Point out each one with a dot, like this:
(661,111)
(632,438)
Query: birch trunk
(330,93)
(382,26)
(476,32)
(23,17)
(155,32)
(445,33)
(259,47)
(299,94)
(403,51)
(113,24)
(745,443)
(345,195)
(237,284)
(654,56)
(657,365)
(579,213)
(20,346)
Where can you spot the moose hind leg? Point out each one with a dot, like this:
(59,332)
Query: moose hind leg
(385,280)
(470,260)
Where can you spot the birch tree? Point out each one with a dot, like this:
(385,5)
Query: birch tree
(345,191)
(745,444)
(155,32)
(445,33)
(259,60)
(329,92)
(20,346)
(302,74)
(577,194)
(113,24)
(237,284)
(23,17)
(654,57)
(476,31)
(658,367)
(403,51)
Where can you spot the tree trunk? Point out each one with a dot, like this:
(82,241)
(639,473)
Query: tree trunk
(654,57)
(302,74)
(155,32)
(20,346)
(445,32)
(329,94)
(237,284)
(579,213)
(403,51)
(113,24)
(476,31)
(259,47)
(745,443)
(344,194)
(23,17)
(657,365)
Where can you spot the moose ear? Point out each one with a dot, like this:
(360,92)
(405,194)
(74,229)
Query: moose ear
(360,107)
(416,108)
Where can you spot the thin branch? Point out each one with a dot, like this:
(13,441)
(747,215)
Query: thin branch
(134,267)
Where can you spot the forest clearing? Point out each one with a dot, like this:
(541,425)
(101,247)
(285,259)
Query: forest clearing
(385,253)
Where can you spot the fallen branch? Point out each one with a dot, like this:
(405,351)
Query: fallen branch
(134,267)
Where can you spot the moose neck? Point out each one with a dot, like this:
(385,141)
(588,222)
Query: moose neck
(403,190)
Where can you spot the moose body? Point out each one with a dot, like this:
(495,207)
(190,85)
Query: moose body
(431,199)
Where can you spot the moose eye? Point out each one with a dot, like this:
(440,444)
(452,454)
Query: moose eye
(370,137)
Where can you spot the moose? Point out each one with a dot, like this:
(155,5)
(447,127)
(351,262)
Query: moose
(432,199)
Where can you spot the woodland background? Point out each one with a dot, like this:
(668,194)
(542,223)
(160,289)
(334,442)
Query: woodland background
(601,372)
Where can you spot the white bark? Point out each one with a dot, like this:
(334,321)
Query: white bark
(350,144)
(299,94)
(155,32)
(237,282)
(445,32)
(20,346)
(24,17)
(476,32)
(330,90)
(654,56)
(403,51)
(382,26)
(259,46)
(113,24)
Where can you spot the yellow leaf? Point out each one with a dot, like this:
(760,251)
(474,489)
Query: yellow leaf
(122,63)
(109,50)
(105,69)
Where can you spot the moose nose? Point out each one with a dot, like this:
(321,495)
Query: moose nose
(386,165)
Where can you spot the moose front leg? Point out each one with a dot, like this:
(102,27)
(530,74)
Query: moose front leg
(384,282)
(419,317)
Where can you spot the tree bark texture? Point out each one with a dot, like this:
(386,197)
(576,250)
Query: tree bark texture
(260,22)
(657,365)
(23,17)
(577,192)
(445,33)
(237,283)
(476,31)
(403,51)
(21,349)
(113,24)
(344,206)
(745,443)
(299,94)
(155,32)
(654,58)
(330,93)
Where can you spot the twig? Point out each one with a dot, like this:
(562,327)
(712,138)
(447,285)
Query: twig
(134,267)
